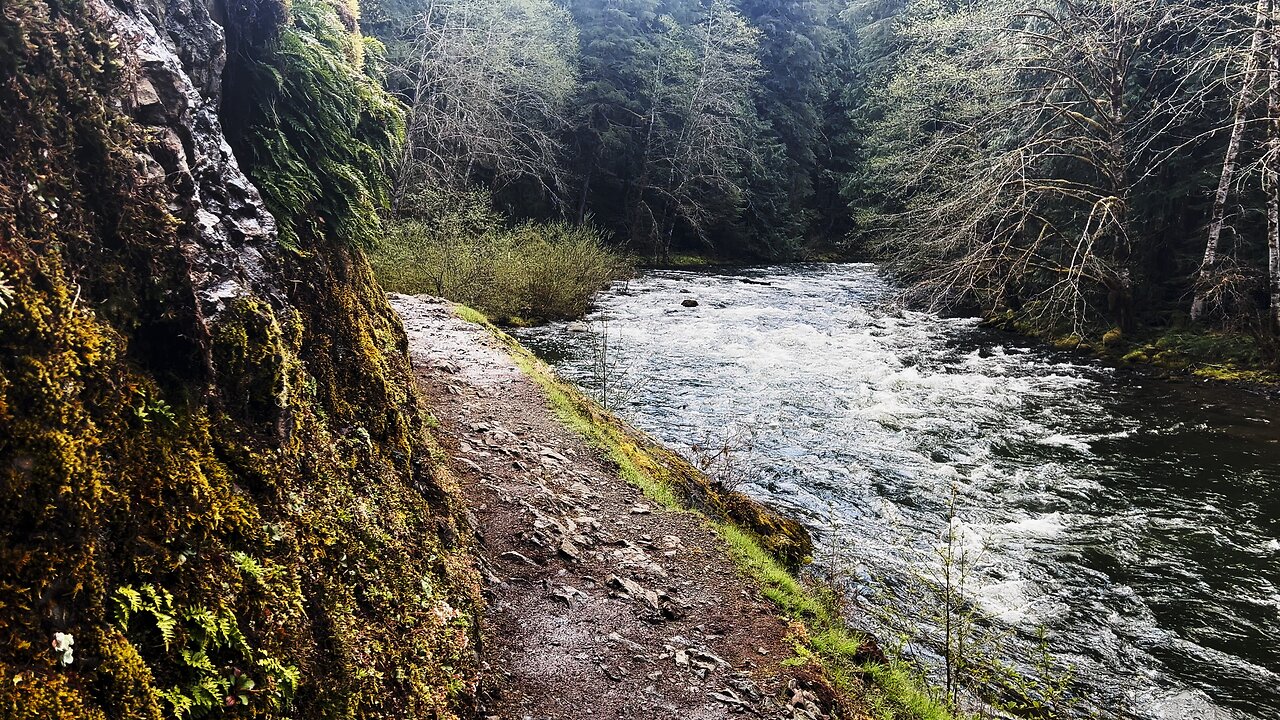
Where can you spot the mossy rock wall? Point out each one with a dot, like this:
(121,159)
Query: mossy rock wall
(217,489)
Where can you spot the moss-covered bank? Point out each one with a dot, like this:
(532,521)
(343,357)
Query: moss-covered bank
(218,492)
(1196,353)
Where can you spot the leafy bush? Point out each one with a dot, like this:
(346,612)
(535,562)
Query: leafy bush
(533,271)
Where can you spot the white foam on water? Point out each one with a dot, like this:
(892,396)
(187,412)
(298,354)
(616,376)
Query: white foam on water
(870,416)
(1006,601)
(1065,441)
(1045,526)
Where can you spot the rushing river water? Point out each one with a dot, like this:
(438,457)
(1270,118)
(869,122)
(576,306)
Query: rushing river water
(1135,521)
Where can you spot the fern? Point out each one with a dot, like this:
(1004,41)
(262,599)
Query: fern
(316,132)
(209,650)
(7,293)
(178,701)
(249,566)
(127,601)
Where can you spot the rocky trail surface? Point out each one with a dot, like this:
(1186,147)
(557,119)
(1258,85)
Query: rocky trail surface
(601,603)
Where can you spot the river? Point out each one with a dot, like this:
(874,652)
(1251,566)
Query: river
(1134,522)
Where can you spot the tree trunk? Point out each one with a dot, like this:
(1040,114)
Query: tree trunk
(586,191)
(405,168)
(1218,220)
(1272,178)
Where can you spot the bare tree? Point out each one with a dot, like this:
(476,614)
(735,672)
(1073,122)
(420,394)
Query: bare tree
(1019,193)
(490,84)
(1020,134)
(1244,101)
(700,127)
(1271,182)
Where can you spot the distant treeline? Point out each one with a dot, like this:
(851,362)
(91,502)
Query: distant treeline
(676,125)
(1071,163)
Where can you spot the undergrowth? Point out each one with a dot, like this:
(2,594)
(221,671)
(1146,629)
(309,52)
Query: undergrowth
(463,250)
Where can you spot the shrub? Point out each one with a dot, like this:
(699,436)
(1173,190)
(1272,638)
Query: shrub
(534,271)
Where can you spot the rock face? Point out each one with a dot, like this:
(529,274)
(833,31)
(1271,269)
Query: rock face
(219,490)
(175,54)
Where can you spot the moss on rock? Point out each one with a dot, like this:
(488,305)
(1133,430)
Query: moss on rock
(236,516)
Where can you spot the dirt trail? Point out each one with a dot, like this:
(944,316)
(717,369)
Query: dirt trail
(601,603)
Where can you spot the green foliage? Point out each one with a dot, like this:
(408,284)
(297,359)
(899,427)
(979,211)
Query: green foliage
(215,664)
(1044,694)
(533,271)
(153,409)
(895,689)
(314,131)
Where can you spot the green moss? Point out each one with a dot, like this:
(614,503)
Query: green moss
(1228,357)
(313,130)
(267,472)
(1208,355)
(778,584)
(471,315)
(888,688)
(901,694)
(1231,373)
(1136,356)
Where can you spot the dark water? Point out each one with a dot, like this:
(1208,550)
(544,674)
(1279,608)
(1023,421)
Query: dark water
(1135,521)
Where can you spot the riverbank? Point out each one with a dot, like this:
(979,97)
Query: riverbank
(1198,355)
(608,598)
(1183,354)
(1088,492)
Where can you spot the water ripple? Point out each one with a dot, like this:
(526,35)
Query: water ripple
(1137,522)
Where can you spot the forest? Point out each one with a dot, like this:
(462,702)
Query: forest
(1071,167)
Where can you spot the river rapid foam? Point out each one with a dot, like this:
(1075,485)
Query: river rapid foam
(1135,522)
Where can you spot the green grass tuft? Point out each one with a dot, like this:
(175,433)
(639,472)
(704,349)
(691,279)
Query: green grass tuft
(470,314)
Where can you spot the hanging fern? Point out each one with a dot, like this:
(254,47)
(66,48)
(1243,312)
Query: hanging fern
(314,130)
